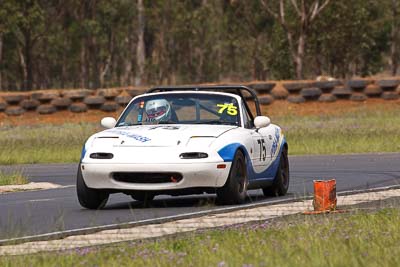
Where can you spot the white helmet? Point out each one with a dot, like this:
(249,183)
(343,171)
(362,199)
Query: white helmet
(158,110)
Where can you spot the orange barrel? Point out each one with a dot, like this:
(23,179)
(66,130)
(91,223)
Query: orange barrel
(324,195)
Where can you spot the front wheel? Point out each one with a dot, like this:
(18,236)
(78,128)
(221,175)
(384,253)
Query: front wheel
(88,197)
(235,189)
(280,185)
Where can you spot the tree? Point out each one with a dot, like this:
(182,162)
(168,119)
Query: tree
(395,36)
(343,46)
(306,14)
(6,22)
(140,48)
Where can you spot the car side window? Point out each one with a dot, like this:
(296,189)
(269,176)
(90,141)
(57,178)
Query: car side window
(247,121)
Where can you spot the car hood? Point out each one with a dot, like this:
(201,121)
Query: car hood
(157,135)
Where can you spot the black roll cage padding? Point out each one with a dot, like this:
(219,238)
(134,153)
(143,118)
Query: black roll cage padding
(238,88)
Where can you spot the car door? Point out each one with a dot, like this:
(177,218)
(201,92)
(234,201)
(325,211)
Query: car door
(258,151)
(269,138)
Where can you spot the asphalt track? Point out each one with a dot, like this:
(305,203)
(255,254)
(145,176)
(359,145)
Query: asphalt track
(46,211)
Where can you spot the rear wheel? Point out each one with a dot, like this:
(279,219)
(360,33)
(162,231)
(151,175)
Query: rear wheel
(88,197)
(235,189)
(280,185)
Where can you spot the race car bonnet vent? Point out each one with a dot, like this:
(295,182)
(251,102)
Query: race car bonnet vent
(193,155)
(101,156)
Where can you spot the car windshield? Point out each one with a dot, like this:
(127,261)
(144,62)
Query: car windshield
(182,108)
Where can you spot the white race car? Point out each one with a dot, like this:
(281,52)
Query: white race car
(185,140)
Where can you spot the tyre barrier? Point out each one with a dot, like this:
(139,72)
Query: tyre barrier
(389,89)
(388,85)
(47,97)
(311,93)
(265,99)
(29,104)
(390,95)
(61,103)
(113,99)
(109,94)
(294,90)
(3,105)
(78,107)
(134,92)
(109,106)
(342,92)
(94,102)
(13,99)
(295,87)
(327,86)
(123,99)
(279,92)
(328,98)
(358,87)
(296,99)
(359,97)
(373,91)
(45,109)
(14,110)
(77,95)
(262,88)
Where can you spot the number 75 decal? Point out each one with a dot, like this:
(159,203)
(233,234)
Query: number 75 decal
(230,109)
(263,151)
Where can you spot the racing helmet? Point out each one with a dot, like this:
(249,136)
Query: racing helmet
(158,110)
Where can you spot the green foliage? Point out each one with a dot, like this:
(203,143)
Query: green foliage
(358,131)
(361,131)
(48,44)
(14,178)
(35,144)
(350,39)
(357,239)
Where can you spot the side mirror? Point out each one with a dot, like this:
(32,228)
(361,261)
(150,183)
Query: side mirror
(261,121)
(108,122)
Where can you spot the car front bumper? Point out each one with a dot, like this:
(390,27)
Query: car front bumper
(100,175)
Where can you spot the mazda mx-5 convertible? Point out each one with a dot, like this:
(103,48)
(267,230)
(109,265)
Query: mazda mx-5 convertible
(185,140)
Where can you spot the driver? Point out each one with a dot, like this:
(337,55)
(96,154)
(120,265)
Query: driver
(158,110)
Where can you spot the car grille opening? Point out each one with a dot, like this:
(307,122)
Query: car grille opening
(101,156)
(147,177)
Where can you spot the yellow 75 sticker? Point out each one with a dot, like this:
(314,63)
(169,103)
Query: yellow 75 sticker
(229,107)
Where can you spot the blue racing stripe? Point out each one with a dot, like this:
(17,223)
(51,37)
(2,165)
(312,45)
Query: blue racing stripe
(227,153)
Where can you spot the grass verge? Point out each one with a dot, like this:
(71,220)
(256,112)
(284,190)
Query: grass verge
(44,143)
(360,131)
(357,131)
(358,239)
(14,178)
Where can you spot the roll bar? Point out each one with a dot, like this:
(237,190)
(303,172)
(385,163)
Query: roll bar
(237,88)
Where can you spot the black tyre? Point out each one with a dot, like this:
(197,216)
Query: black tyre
(358,85)
(388,85)
(311,93)
(282,177)
(296,99)
(88,197)
(235,189)
(142,196)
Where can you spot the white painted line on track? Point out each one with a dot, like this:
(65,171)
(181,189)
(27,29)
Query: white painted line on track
(41,200)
